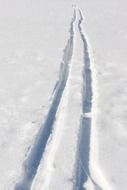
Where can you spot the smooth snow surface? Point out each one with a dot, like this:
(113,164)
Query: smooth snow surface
(63,102)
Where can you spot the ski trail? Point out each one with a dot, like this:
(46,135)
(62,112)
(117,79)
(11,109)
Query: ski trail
(31,164)
(86,154)
(82,172)
(57,168)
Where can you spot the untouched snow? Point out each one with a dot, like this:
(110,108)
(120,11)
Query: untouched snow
(42,62)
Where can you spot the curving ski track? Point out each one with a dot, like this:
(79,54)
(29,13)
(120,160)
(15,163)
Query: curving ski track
(36,153)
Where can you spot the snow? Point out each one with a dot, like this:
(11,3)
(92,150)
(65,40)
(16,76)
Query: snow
(59,150)
(27,39)
(33,39)
(109,43)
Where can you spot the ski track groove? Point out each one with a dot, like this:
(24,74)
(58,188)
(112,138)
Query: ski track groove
(83,153)
(32,162)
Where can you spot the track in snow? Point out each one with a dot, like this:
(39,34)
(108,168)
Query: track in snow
(83,154)
(36,153)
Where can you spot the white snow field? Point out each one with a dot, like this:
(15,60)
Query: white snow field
(63,96)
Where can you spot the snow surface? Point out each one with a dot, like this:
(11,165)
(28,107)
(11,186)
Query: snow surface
(36,45)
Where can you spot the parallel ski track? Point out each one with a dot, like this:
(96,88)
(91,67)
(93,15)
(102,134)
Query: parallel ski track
(32,162)
(83,154)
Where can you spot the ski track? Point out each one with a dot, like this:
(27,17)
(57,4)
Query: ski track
(83,154)
(32,162)
(64,135)
(80,166)
(90,167)
(60,98)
